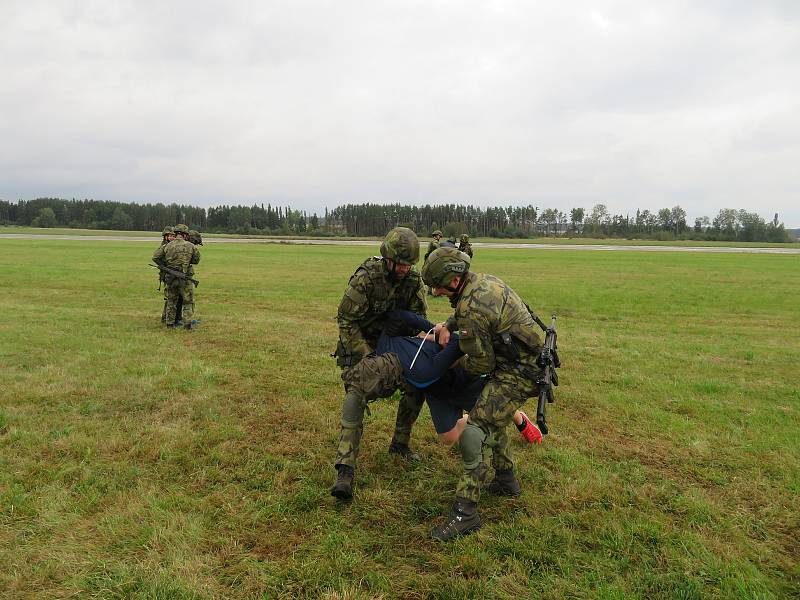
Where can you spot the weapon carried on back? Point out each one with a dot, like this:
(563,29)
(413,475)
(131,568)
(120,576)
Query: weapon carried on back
(548,362)
(174,273)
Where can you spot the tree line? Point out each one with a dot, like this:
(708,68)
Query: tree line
(374,220)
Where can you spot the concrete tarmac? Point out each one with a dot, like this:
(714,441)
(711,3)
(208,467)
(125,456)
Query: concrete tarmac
(155,239)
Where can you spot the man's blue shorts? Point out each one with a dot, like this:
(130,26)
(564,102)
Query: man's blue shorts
(449,397)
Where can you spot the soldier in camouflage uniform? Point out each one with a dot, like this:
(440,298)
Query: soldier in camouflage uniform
(379,285)
(166,237)
(433,245)
(499,336)
(195,238)
(178,255)
(465,246)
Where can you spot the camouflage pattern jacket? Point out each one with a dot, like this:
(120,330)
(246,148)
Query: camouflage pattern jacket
(496,330)
(368,297)
(178,255)
(431,247)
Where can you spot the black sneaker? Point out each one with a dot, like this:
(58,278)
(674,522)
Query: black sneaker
(505,483)
(462,520)
(343,488)
(403,451)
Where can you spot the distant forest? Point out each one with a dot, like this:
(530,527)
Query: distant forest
(374,220)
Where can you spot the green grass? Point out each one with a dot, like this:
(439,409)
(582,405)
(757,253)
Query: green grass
(141,463)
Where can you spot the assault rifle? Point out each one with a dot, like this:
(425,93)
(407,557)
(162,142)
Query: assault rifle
(174,273)
(548,362)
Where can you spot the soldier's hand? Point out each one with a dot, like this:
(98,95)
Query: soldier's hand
(442,334)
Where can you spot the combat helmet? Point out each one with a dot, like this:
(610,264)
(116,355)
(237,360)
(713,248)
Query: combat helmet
(181,228)
(464,238)
(168,230)
(443,265)
(401,245)
(438,232)
(195,237)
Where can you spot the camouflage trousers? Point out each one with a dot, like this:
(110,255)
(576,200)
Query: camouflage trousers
(180,295)
(371,378)
(487,427)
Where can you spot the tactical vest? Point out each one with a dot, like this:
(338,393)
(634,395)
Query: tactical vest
(384,295)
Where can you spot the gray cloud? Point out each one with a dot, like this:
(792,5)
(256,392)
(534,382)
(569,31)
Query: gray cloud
(317,103)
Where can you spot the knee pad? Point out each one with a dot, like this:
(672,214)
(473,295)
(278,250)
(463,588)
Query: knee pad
(472,446)
(353,410)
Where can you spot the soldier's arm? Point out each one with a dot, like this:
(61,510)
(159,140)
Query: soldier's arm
(418,303)
(158,256)
(475,340)
(352,309)
(195,256)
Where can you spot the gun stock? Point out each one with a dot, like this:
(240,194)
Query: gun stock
(175,273)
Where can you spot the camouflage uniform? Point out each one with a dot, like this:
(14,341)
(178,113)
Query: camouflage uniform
(499,336)
(465,246)
(196,239)
(178,255)
(432,246)
(167,231)
(370,294)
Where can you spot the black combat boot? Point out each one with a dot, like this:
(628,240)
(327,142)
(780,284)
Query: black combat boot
(462,520)
(403,451)
(504,484)
(187,326)
(343,488)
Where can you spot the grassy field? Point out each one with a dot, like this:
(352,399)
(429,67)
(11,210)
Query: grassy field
(137,462)
(479,240)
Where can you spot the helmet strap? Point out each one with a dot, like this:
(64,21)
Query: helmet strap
(393,270)
(458,289)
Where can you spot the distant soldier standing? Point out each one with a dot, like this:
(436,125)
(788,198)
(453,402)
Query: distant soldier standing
(379,285)
(166,237)
(434,243)
(178,255)
(465,246)
(196,239)
(499,336)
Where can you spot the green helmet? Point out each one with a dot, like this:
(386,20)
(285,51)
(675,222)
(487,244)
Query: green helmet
(442,265)
(167,230)
(181,228)
(195,237)
(464,238)
(437,232)
(401,245)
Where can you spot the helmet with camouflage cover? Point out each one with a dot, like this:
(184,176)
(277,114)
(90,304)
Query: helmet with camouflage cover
(443,265)
(464,238)
(401,245)
(168,230)
(181,228)
(437,233)
(195,237)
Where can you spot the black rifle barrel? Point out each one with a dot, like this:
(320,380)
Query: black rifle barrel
(548,363)
(174,273)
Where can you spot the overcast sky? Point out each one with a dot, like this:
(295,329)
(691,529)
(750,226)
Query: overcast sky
(317,103)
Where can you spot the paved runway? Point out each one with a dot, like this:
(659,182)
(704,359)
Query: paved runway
(155,239)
